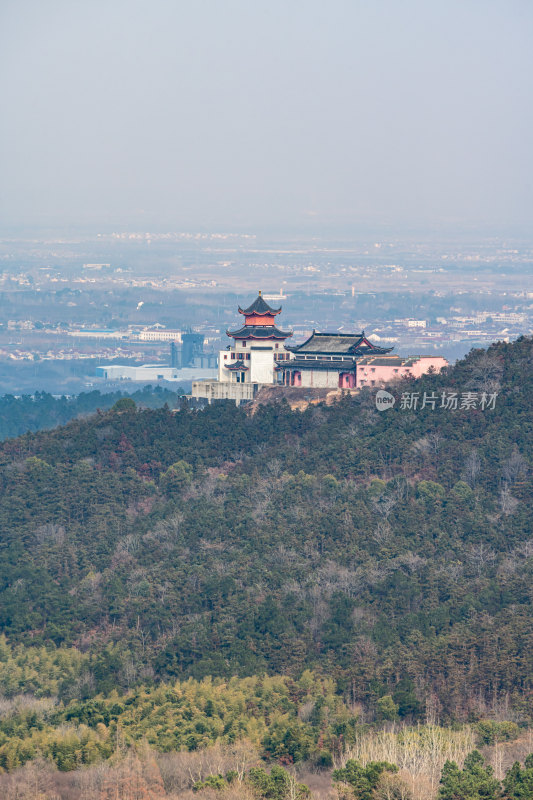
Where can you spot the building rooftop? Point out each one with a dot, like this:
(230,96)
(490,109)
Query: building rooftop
(259,332)
(259,306)
(382,361)
(353,344)
(237,366)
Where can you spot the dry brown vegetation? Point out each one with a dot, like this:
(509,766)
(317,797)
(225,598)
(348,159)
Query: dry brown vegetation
(144,774)
(135,775)
(420,753)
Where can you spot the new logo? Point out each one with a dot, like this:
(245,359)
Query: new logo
(384,400)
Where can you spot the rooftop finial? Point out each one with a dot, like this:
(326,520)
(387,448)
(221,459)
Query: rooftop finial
(259,292)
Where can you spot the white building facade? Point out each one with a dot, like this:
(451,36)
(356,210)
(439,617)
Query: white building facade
(251,361)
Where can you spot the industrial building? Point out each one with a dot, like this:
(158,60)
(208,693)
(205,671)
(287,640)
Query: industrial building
(149,373)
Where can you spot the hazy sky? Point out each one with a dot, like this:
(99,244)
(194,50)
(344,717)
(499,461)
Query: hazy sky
(220,113)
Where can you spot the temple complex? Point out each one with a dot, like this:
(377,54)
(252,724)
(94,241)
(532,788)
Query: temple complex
(327,360)
(259,356)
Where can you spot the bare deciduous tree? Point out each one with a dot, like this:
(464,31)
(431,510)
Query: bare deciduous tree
(508,503)
(471,469)
(525,549)
(480,555)
(382,532)
(50,533)
(181,770)
(486,374)
(515,468)
(384,504)
(412,561)
(429,445)
(33,782)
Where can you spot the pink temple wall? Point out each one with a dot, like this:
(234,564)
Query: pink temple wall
(387,374)
(426,362)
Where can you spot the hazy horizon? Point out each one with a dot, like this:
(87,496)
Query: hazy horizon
(185,115)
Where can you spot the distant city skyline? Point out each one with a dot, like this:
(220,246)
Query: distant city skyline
(208,115)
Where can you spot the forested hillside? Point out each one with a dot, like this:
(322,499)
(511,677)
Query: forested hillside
(391,553)
(42,410)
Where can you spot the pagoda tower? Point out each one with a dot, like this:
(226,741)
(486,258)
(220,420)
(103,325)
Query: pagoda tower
(257,346)
(259,323)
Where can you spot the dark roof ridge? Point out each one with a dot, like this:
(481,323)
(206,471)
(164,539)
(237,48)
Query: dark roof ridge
(356,344)
(237,365)
(259,332)
(259,306)
(336,333)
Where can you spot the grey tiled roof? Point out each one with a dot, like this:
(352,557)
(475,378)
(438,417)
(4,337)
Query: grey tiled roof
(259,332)
(240,366)
(259,306)
(339,343)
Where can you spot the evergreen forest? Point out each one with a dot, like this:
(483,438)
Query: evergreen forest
(43,410)
(333,602)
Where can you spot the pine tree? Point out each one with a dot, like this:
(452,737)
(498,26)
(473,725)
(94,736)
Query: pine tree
(474,782)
